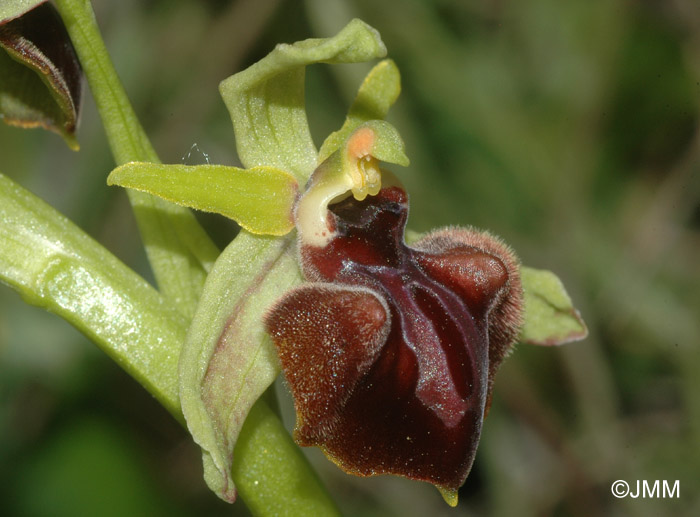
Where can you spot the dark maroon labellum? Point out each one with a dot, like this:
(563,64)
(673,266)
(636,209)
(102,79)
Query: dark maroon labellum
(390,351)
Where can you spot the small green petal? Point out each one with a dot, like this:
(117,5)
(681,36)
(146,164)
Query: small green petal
(550,317)
(378,92)
(266,101)
(259,199)
(388,145)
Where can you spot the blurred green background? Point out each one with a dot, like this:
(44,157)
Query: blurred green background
(569,128)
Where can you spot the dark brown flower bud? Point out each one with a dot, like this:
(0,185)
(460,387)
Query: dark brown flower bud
(40,75)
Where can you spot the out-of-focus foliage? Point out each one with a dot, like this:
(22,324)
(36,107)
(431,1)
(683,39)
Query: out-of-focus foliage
(571,129)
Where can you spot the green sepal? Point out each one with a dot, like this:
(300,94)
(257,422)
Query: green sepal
(228,360)
(388,145)
(379,90)
(40,76)
(259,199)
(266,101)
(549,315)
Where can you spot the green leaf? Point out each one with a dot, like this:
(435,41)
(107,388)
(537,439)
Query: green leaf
(10,9)
(378,92)
(40,77)
(228,359)
(550,317)
(259,199)
(56,266)
(266,101)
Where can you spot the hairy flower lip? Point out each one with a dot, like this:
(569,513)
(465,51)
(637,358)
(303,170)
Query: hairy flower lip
(416,405)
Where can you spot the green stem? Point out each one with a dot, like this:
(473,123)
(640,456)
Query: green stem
(126,137)
(273,477)
(178,249)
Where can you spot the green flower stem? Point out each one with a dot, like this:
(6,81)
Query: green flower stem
(272,475)
(126,137)
(178,249)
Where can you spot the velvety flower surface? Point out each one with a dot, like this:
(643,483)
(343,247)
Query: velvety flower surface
(390,350)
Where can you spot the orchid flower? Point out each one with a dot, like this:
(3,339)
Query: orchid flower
(390,350)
